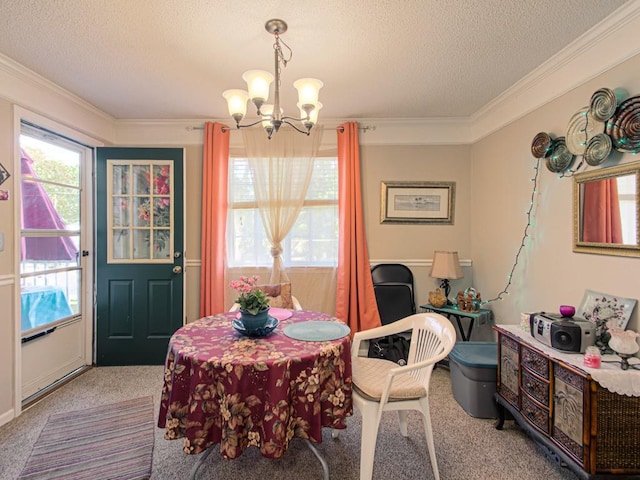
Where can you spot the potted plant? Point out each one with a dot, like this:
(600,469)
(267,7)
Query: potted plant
(254,304)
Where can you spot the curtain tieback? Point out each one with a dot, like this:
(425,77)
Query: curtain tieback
(276,251)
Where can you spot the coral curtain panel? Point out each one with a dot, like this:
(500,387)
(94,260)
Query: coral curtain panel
(602,222)
(355,298)
(215,168)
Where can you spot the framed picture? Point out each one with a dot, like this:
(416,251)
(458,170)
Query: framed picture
(4,174)
(604,310)
(418,202)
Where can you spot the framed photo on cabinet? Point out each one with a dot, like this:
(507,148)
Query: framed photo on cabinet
(418,202)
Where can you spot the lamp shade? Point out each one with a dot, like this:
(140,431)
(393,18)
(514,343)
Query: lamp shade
(313,114)
(446,265)
(258,83)
(308,90)
(236,102)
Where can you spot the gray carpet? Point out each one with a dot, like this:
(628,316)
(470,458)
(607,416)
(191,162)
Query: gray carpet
(466,447)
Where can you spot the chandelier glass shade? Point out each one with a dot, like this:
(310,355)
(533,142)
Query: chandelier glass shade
(258,86)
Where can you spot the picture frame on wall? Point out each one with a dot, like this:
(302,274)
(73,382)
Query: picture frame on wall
(406,202)
(4,174)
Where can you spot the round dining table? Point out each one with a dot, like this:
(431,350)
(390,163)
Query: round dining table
(224,387)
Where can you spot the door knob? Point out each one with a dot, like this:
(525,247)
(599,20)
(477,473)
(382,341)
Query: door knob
(177,269)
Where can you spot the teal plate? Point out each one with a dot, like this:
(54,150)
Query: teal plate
(316,331)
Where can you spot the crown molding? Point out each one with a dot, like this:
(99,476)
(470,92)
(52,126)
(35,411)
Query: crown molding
(373,131)
(610,42)
(29,90)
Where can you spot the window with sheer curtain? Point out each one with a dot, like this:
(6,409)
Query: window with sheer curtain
(313,240)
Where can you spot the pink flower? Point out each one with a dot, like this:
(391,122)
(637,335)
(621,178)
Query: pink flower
(250,299)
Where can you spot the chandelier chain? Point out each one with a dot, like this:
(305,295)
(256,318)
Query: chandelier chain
(278,48)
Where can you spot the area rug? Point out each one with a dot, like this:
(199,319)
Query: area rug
(109,442)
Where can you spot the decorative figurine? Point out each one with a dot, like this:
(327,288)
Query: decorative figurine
(624,343)
(437,298)
(469,300)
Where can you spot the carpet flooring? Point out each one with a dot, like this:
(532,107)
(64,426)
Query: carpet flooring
(108,442)
(467,448)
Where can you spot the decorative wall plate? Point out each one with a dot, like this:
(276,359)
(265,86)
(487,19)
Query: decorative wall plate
(598,149)
(582,127)
(561,158)
(624,126)
(603,104)
(541,145)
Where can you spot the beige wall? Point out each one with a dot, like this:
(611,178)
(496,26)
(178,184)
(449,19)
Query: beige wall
(549,273)
(6,207)
(193,192)
(7,292)
(413,244)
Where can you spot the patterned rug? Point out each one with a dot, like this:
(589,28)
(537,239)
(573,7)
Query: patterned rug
(113,442)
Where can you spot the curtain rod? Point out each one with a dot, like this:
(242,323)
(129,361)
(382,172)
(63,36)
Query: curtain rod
(364,128)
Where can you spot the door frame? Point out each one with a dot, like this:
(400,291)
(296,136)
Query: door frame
(87,233)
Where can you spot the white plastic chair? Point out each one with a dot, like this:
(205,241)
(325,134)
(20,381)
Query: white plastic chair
(296,305)
(381,385)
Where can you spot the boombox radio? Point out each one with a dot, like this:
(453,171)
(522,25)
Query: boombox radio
(567,334)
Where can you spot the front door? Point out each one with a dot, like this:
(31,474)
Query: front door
(139,258)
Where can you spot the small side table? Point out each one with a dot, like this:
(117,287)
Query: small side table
(480,316)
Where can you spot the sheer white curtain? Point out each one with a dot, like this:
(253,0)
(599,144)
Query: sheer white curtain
(281,169)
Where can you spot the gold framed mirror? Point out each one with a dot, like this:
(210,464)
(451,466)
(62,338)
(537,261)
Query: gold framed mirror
(606,211)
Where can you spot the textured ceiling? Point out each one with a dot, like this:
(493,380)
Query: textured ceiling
(168,59)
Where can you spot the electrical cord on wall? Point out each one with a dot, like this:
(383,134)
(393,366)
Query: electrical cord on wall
(505,291)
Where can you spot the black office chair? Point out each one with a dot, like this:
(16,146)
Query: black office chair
(393,286)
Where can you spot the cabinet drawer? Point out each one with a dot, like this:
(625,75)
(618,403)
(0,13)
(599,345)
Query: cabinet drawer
(537,415)
(536,387)
(535,362)
(508,385)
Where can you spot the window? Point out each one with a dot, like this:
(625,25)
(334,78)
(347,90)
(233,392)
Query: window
(50,270)
(313,240)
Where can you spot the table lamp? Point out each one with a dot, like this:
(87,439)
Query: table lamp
(446,266)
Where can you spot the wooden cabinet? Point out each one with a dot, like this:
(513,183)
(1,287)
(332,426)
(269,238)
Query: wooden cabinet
(592,430)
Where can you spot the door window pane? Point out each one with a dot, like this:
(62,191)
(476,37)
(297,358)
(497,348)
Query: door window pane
(120,179)
(49,297)
(141,240)
(121,244)
(135,217)
(161,243)
(50,270)
(142,208)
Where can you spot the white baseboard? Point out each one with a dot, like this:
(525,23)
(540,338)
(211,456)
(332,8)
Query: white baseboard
(7,417)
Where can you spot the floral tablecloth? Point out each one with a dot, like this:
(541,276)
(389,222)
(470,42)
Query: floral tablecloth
(222,387)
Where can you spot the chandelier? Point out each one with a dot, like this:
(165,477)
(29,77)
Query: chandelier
(258,83)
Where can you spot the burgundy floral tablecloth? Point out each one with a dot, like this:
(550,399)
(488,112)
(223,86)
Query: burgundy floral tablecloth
(222,387)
